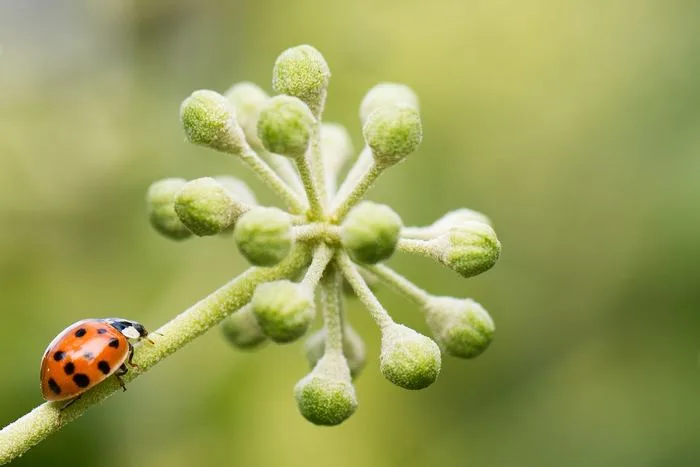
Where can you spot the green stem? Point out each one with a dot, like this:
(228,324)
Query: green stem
(415,246)
(18,437)
(322,256)
(284,168)
(363,184)
(270,178)
(317,165)
(331,290)
(318,231)
(362,290)
(400,284)
(310,187)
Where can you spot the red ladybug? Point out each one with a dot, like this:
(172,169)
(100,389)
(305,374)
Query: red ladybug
(85,354)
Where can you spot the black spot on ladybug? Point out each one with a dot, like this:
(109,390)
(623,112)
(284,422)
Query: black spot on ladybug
(69,368)
(80,332)
(54,386)
(58,356)
(81,380)
(114,342)
(103,366)
(88,355)
(101,331)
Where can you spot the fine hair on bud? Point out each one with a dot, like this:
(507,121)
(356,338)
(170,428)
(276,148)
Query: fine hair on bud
(326,396)
(462,327)
(160,201)
(264,235)
(247,100)
(384,94)
(353,349)
(208,119)
(393,132)
(469,248)
(370,232)
(409,359)
(206,207)
(283,309)
(284,126)
(302,72)
(242,330)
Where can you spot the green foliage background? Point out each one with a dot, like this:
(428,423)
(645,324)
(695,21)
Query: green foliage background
(574,125)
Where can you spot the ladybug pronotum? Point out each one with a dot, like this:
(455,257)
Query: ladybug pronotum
(85,354)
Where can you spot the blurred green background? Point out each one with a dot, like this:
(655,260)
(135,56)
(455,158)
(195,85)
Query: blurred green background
(574,125)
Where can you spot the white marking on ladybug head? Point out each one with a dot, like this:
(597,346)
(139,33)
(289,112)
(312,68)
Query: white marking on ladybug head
(131,332)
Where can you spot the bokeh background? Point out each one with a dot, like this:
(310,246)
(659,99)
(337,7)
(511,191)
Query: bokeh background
(574,125)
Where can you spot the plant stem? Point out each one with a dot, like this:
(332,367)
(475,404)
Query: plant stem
(363,162)
(400,284)
(284,168)
(46,419)
(310,187)
(271,179)
(358,192)
(318,231)
(418,247)
(317,165)
(331,290)
(322,256)
(363,292)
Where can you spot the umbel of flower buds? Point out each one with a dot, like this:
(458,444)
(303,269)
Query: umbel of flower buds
(284,309)
(161,208)
(326,396)
(206,207)
(461,326)
(370,232)
(264,235)
(409,359)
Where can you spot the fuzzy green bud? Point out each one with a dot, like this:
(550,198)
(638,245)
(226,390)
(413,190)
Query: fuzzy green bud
(242,329)
(384,94)
(370,232)
(326,396)
(469,248)
(353,349)
(284,309)
(160,201)
(206,207)
(264,235)
(208,119)
(409,359)
(284,126)
(393,132)
(302,72)
(247,100)
(237,189)
(460,216)
(462,327)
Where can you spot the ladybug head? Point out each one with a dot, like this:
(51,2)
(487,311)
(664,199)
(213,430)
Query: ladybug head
(130,329)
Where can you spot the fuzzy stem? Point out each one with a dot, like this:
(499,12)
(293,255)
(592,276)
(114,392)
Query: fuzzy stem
(271,179)
(418,247)
(358,192)
(317,231)
(400,284)
(46,419)
(322,256)
(317,165)
(310,187)
(284,168)
(363,162)
(331,290)
(420,233)
(363,292)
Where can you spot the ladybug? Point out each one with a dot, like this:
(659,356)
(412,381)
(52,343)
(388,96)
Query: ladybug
(85,354)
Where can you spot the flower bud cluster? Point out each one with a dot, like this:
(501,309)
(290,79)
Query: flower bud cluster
(346,239)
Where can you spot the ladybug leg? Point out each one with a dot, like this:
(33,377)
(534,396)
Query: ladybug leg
(131,356)
(70,402)
(119,373)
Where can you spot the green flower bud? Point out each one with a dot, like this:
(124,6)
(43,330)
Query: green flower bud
(284,126)
(370,232)
(206,207)
(461,326)
(264,235)
(393,132)
(238,190)
(384,94)
(460,216)
(302,72)
(336,146)
(242,329)
(469,248)
(326,396)
(160,200)
(409,359)
(353,349)
(247,100)
(284,309)
(208,119)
